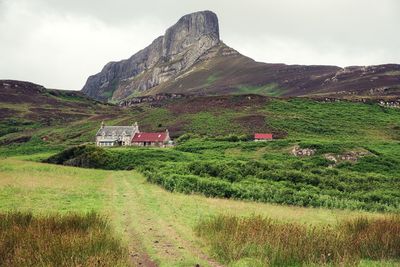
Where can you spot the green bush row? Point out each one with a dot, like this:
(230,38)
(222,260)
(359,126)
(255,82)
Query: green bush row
(275,192)
(370,184)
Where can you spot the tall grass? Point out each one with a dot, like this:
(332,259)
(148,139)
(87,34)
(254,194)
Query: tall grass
(270,243)
(70,240)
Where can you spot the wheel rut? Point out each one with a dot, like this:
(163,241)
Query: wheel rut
(154,234)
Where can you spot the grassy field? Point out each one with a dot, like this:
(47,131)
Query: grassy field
(156,225)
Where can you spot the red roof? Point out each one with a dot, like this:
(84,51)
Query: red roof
(149,137)
(262,136)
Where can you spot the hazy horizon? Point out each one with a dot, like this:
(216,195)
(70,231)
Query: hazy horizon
(58,44)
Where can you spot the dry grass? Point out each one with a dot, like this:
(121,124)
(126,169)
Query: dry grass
(293,244)
(71,240)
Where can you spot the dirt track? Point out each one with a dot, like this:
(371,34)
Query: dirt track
(153,236)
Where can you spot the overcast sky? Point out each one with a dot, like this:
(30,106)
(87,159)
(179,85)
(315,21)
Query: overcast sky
(59,43)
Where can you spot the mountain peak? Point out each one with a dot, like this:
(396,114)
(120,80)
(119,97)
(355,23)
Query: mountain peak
(191,29)
(176,51)
(201,22)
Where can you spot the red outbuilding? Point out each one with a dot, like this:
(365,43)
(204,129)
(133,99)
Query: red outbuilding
(263,136)
(151,139)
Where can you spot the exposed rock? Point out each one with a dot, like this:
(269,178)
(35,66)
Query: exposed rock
(150,99)
(390,104)
(303,152)
(176,51)
(351,156)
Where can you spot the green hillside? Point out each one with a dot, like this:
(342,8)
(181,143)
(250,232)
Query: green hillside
(72,120)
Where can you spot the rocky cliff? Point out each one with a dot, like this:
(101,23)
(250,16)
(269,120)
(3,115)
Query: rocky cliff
(168,55)
(191,59)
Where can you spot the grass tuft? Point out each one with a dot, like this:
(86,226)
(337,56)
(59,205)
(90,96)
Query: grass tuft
(234,239)
(70,240)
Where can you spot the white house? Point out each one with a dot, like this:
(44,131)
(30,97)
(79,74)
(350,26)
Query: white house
(116,135)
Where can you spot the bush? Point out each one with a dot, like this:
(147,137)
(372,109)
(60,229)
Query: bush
(81,156)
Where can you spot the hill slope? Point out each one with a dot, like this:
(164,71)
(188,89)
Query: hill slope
(32,117)
(190,58)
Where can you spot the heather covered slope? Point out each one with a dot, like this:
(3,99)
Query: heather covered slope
(31,114)
(32,117)
(222,70)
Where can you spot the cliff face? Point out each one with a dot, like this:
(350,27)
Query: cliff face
(168,55)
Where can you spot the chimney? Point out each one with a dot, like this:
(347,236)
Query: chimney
(135,128)
(102,125)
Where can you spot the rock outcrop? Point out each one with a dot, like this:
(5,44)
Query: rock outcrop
(303,152)
(181,46)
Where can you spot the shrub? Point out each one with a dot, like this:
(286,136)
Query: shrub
(81,156)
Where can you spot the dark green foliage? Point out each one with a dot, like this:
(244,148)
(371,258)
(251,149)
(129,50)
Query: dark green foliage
(185,137)
(234,138)
(382,164)
(14,125)
(114,159)
(82,156)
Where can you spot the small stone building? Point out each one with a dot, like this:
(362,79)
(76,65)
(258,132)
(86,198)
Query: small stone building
(108,136)
(116,135)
